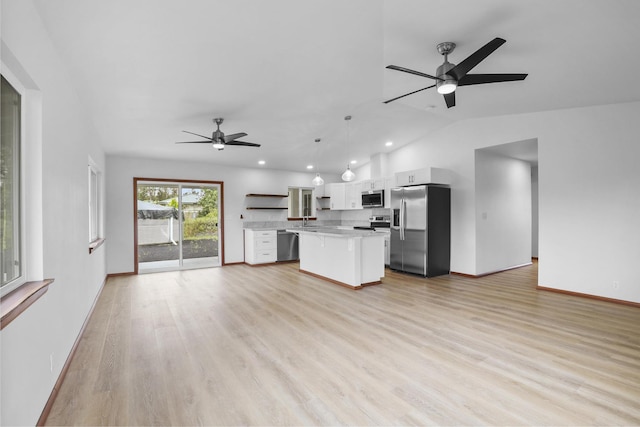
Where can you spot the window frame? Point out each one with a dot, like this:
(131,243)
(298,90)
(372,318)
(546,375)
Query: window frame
(23,259)
(95,204)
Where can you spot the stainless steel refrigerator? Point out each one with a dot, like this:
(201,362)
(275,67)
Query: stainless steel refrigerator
(421,229)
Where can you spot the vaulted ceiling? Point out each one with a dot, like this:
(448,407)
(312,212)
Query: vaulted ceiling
(288,71)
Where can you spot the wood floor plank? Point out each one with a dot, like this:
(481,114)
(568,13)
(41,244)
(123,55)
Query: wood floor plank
(241,345)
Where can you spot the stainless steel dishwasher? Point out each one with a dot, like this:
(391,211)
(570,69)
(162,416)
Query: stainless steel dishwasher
(287,246)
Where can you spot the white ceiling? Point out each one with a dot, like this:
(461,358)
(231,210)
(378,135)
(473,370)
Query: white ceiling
(288,71)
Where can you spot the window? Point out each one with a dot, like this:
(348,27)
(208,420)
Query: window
(11,265)
(95,208)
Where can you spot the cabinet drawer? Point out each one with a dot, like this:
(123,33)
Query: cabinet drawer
(264,233)
(266,255)
(269,242)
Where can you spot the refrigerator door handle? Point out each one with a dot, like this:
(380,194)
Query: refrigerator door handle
(403,209)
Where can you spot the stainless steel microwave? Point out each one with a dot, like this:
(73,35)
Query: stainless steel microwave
(373,199)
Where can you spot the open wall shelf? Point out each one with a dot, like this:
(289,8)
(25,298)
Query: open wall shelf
(278,196)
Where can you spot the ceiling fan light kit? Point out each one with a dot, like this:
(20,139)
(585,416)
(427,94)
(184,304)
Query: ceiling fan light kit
(447,83)
(218,139)
(449,76)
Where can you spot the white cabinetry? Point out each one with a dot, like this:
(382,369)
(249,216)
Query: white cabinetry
(353,194)
(387,248)
(423,176)
(337,196)
(260,246)
(346,196)
(373,184)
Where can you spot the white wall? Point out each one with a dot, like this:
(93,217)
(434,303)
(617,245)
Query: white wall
(589,203)
(503,212)
(237,183)
(50,326)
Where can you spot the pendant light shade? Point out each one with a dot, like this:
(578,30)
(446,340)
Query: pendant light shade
(348,175)
(318,179)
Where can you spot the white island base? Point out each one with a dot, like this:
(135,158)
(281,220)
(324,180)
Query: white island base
(349,259)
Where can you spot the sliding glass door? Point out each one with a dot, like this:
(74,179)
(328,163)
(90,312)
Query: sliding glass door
(177,225)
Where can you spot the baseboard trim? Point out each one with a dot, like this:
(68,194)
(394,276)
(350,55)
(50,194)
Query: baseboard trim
(589,296)
(335,282)
(476,276)
(63,373)
(131,273)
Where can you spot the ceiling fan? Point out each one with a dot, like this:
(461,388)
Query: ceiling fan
(219,139)
(449,76)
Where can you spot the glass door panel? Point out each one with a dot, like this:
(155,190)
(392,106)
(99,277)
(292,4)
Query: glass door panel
(158,227)
(200,242)
(177,226)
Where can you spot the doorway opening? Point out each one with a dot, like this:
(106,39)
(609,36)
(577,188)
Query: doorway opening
(178,224)
(506,180)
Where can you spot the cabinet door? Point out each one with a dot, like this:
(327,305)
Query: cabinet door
(423,176)
(403,178)
(354,195)
(337,200)
(377,184)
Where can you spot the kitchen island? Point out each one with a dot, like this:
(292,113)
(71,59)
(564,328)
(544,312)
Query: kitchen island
(351,258)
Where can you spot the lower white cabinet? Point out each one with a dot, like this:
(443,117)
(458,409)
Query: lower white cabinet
(387,249)
(260,246)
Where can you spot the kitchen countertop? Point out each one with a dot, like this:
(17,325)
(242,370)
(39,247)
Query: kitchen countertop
(333,231)
(262,228)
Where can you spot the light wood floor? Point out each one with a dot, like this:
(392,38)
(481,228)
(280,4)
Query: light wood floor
(241,345)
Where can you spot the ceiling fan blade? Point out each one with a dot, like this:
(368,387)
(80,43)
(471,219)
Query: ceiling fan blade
(194,142)
(196,134)
(229,138)
(246,144)
(477,79)
(407,70)
(450,99)
(407,94)
(461,70)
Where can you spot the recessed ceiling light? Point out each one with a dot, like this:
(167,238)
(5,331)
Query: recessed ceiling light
(309,166)
(261,162)
(353,162)
(388,143)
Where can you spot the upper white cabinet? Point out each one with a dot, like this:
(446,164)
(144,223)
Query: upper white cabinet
(345,196)
(373,184)
(337,196)
(348,195)
(353,195)
(423,176)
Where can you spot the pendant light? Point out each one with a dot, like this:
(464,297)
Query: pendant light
(318,179)
(348,175)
